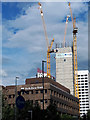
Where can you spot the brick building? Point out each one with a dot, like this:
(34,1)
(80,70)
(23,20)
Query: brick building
(32,90)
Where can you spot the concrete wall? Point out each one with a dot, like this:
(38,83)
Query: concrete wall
(64,67)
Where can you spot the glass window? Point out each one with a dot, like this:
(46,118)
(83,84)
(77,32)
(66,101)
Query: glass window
(31,91)
(9,96)
(27,92)
(45,101)
(64,60)
(41,91)
(41,101)
(36,91)
(45,90)
(13,96)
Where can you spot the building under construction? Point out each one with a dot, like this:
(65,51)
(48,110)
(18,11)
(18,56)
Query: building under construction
(64,67)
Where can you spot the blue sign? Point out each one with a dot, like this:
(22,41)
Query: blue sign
(20,102)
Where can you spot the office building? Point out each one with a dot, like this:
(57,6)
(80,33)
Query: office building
(83,82)
(64,67)
(54,92)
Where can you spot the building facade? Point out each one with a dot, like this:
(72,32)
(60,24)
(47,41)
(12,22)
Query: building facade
(0,102)
(64,67)
(83,82)
(53,92)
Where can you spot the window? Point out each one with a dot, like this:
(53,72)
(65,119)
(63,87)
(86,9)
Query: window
(9,96)
(27,92)
(41,101)
(85,80)
(86,83)
(13,96)
(86,75)
(64,60)
(23,92)
(45,101)
(41,91)
(54,92)
(86,86)
(45,90)
(9,105)
(31,91)
(36,91)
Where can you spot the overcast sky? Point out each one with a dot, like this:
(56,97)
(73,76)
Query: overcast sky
(23,39)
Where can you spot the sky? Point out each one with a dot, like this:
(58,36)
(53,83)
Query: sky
(23,40)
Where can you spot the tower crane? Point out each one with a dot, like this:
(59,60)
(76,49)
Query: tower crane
(49,47)
(75,30)
(65,30)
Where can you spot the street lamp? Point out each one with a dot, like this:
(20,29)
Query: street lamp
(30,111)
(43,80)
(16,96)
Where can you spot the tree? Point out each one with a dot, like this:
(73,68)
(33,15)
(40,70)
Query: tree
(88,115)
(52,113)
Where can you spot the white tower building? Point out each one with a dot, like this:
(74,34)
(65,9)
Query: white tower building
(83,82)
(64,67)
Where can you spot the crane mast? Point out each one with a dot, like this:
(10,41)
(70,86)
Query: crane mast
(49,47)
(65,30)
(75,30)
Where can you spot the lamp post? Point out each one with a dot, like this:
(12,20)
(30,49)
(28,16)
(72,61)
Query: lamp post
(30,111)
(16,97)
(43,80)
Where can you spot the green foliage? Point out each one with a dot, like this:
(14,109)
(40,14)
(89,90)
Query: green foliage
(7,113)
(88,115)
(66,117)
(50,113)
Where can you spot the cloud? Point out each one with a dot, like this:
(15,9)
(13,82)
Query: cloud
(3,73)
(24,38)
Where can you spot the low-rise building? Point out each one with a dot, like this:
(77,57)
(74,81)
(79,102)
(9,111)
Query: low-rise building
(53,92)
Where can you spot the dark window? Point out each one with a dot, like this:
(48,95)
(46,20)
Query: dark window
(54,92)
(86,75)
(86,83)
(36,91)
(64,60)
(45,90)
(27,92)
(23,92)
(41,101)
(31,91)
(13,96)
(41,91)
(45,101)
(9,96)
(86,86)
